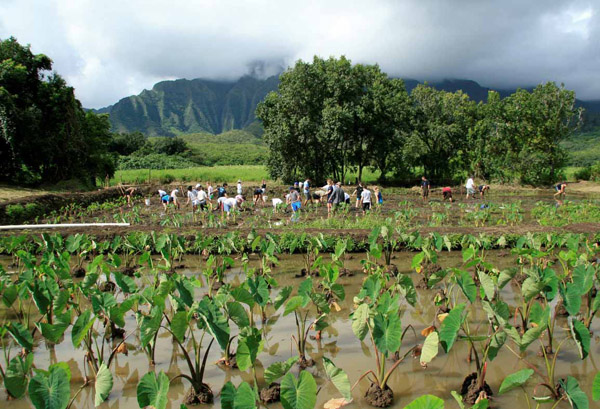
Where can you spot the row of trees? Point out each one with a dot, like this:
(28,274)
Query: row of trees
(45,134)
(329,117)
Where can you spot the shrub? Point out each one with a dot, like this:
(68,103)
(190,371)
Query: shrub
(584,173)
(167,178)
(15,212)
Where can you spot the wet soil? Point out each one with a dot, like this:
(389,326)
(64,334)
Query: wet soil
(271,393)
(204,396)
(380,398)
(471,391)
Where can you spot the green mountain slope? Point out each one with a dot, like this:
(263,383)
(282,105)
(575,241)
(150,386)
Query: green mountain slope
(191,106)
(207,106)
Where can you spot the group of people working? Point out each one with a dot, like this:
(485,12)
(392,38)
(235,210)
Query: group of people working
(447,190)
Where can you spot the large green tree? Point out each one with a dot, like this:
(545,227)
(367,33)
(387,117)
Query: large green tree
(438,139)
(330,116)
(46,136)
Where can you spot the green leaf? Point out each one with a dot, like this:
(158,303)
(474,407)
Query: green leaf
(360,319)
(179,325)
(467,285)
(152,390)
(496,343)
(81,327)
(387,333)
(21,335)
(282,296)
(482,404)
(487,283)
(278,370)
(150,325)
(582,337)
(531,288)
(458,399)
(426,402)
(227,395)
(15,380)
(515,380)
(237,314)
(430,347)
(249,346)
(293,304)
(216,322)
(245,398)
(572,298)
(299,393)
(339,378)
(450,327)
(596,387)
(103,385)
(51,390)
(125,283)
(577,398)
(54,332)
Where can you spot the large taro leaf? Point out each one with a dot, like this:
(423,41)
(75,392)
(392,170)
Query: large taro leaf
(515,380)
(571,297)
(179,325)
(54,332)
(152,390)
(150,324)
(15,379)
(430,347)
(216,322)
(21,335)
(387,333)
(242,398)
(426,402)
(487,284)
(82,325)
(278,369)
(51,389)
(259,289)
(467,285)
(249,346)
(360,319)
(577,398)
(237,314)
(282,297)
(451,326)
(298,393)
(339,378)
(581,335)
(293,304)
(103,384)
(583,277)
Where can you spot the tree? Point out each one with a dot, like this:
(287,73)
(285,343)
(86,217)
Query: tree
(439,136)
(46,135)
(329,116)
(170,146)
(126,143)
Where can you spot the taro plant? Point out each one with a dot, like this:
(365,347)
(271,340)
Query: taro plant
(378,316)
(206,316)
(300,306)
(271,393)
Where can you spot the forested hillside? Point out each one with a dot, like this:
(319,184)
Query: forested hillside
(191,106)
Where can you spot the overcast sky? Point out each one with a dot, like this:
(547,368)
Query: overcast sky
(109,49)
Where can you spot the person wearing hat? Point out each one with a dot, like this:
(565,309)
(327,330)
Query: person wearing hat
(239,187)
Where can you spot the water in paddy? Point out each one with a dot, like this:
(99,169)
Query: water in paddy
(444,374)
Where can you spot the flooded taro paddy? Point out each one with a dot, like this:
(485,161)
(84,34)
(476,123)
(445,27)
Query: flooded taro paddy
(441,376)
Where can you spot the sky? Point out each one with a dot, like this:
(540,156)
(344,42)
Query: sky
(111,49)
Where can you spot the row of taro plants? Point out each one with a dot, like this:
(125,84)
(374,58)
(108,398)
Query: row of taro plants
(555,284)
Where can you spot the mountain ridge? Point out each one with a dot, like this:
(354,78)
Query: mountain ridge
(185,106)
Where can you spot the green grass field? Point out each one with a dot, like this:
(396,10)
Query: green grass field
(583,148)
(217,174)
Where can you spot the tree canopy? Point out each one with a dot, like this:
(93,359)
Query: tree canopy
(45,135)
(330,116)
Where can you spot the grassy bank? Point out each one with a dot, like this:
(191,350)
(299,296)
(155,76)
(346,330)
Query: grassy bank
(218,174)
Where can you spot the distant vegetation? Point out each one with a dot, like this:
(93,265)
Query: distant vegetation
(329,117)
(583,148)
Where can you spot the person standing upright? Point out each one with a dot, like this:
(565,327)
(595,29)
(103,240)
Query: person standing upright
(425,188)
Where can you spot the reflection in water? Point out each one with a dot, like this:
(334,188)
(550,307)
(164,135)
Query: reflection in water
(338,342)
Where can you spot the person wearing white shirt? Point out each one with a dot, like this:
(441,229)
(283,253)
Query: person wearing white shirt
(239,187)
(470,187)
(174,196)
(192,196)
(365,199)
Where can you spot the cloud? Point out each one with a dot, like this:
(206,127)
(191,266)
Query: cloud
(108,50)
